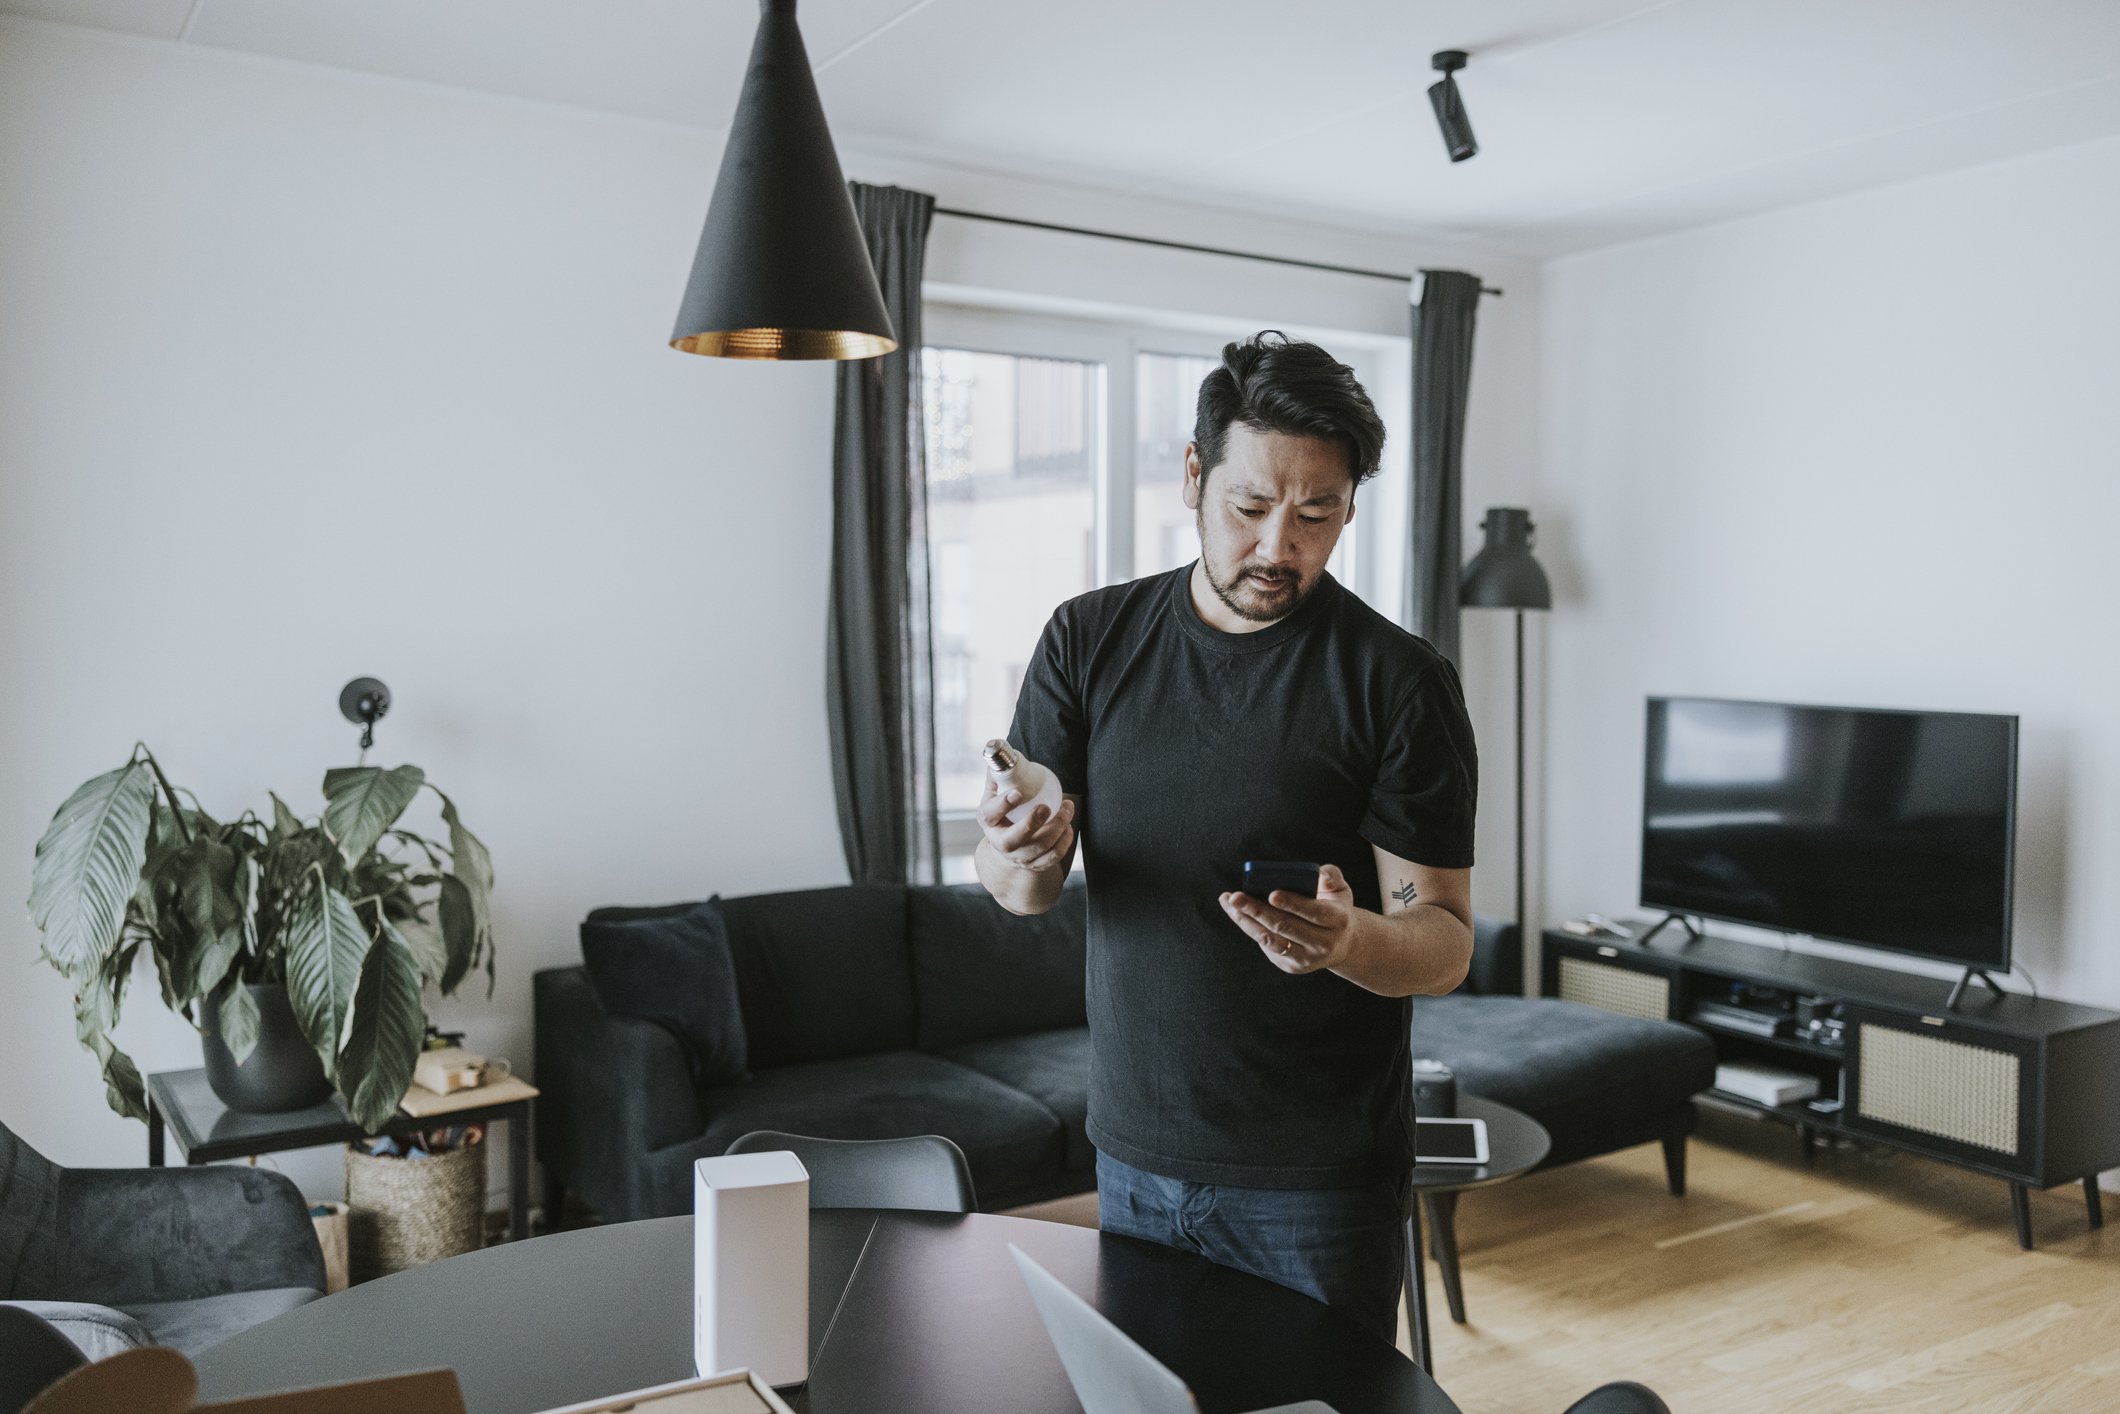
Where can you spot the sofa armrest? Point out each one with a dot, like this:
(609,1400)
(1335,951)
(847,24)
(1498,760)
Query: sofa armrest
(1497,959)
(611,1089)
(128,1236)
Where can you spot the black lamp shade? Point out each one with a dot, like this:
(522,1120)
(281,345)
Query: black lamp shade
(782,270)
(1503,575)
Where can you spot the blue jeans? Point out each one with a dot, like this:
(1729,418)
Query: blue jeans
(1342,1246)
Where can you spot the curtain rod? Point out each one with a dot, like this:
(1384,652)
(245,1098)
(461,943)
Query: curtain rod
(1186,245)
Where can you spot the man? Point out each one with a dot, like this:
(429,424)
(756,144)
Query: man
(1250,1094)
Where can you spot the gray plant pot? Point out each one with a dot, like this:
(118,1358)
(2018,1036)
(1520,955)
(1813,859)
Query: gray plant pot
(281,1073)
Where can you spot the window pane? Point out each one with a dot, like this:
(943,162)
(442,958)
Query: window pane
(1166,387)
(1013,446)
(1166,393)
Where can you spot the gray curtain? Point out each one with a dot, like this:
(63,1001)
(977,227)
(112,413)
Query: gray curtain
(879,670)
(1442,373)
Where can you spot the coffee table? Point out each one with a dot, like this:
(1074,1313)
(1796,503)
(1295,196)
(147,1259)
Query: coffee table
(908,1312)
(1516,1144)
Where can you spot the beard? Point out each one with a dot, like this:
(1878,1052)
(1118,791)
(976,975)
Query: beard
(1254,592)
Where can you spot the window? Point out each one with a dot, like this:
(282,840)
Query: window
(1013,451)
(1055,464)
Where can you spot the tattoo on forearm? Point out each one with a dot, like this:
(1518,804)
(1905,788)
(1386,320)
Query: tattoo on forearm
(1404,894)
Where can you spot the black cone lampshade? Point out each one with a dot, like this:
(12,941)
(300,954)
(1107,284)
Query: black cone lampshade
(782,270)
(1503,575)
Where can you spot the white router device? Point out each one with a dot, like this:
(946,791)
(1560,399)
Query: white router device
(751,1266)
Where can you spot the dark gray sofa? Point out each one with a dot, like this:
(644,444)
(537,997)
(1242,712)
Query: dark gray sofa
(866,1012)
(875,1011)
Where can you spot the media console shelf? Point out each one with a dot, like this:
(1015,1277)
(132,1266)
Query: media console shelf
(2025,1090)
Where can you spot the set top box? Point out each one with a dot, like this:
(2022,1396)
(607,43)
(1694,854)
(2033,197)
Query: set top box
(1888,829)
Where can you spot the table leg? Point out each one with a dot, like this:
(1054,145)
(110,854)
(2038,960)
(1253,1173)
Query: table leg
(2091,1203)
(1442,1229)
(2021,1210)
(154,1134)
(519,1176)
(1416,1290)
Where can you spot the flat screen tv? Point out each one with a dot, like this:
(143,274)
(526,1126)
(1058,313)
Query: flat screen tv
(1889,829)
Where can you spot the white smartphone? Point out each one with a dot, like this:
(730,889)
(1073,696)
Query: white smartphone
(1450,1141)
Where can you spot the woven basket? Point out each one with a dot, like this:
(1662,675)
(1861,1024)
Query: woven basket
(409,1211)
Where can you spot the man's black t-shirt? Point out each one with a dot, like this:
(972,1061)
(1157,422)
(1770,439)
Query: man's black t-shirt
(1194,750)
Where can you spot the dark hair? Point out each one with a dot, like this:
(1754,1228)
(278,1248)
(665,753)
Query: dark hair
(1273,384)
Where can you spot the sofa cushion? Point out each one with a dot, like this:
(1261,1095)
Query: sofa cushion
(1052,1067)
(980,971)
(821,973)
(671,965)
(1593,1078)
(1009,1138)
(98,1332)
(192,1326)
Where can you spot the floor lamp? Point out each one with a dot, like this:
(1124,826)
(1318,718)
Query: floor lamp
(1504,575)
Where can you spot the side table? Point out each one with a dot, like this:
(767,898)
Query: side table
(206,1130)
(1516,1144)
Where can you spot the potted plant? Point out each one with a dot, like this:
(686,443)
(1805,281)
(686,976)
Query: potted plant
(301,943)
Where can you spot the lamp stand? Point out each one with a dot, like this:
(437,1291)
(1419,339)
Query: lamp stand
(1521,919)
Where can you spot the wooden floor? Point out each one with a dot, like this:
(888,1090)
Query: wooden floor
(1869,1281)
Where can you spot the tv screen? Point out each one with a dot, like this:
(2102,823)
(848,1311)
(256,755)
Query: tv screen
(1890,829)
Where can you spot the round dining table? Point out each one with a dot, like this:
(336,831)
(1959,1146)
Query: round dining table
(908,1312)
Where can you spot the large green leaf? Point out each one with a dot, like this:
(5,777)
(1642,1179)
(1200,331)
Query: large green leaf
(326,946)
(427,947)
(88,867)
(360,802)
(285,823)
(211,880)
(472,866)
(236,1020)
(459,931)
(383,1042)
(96,1003)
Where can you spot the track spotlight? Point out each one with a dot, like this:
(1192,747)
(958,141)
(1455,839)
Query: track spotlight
(1450,108)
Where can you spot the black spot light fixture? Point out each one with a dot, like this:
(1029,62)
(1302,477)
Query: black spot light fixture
(782,271)
(1449,106)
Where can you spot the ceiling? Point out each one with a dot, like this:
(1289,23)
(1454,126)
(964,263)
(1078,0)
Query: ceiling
(1598,120)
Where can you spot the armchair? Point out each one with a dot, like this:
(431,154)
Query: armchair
(117,1258)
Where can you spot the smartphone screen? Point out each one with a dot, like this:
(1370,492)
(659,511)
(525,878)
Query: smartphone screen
(1450,1141)
(1263,876)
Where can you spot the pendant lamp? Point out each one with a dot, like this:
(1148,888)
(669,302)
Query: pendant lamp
(782,270)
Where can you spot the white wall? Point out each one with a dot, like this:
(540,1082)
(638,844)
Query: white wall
(306,375)
(1857,452)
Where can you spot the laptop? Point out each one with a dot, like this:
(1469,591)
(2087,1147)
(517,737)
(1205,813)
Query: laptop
(1110,1373)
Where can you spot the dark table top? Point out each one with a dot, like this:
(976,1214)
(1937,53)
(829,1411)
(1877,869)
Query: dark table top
(908,1312)
(1515,1143)
(206,1130)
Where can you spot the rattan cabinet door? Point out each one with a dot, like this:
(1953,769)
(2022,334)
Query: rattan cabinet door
(1603,977)
(1932,1083)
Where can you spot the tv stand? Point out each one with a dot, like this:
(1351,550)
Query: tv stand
(1950,1003)
(2020,1088)
(1693,934)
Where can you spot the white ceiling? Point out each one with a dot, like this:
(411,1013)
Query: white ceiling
(1598,120)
